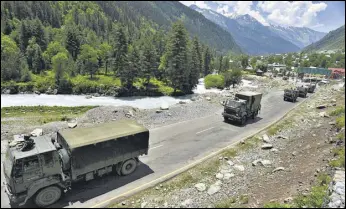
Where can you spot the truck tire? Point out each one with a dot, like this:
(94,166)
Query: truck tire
(225,119)
(128,167)
(47,196)
(243,120)
(284,98)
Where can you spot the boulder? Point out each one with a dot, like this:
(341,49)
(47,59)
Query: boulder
(96,95)
(227,176)
(158,111)
(282,137)
(129,114)
(230,162)
(219,176)
(213,189)
(37,92)
(323,114)
(239,167)
(143,204)
(265,163)
(88,97)
(72,124)
(267,146)
(255,162)
(208,98)
(55,91)
(321,106)
(278,169)
(265,138)
(182,102)
(37,132)
(274,150)
(186,203)
(200,187)
(164,106)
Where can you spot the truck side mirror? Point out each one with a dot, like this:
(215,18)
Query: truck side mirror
(223,103)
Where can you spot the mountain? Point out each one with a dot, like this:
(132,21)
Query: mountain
(249,34)
(163,13)
(333,40)
(300,36)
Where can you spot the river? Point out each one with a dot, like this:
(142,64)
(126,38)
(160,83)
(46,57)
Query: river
(81,100)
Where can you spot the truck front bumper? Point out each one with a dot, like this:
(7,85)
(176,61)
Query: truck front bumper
(231,117)
(16,199)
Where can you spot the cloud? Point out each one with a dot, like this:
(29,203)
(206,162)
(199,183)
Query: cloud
(240,8)
(297,13)
(200,4)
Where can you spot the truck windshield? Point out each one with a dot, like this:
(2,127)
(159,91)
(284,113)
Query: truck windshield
(8,163)
(233,104)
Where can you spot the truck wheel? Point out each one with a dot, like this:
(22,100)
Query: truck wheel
(128,167)
(243,120)
(225,119)
(284,98)
(47,196)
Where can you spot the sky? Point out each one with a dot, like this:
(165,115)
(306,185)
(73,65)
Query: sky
(321,16)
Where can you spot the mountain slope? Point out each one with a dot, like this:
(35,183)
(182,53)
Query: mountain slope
(300,36)
(249,34)
(333,40)
(163,13)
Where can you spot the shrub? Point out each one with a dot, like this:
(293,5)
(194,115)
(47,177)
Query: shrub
(214,81)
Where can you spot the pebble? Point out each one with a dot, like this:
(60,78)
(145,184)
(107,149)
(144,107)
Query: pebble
(200,187)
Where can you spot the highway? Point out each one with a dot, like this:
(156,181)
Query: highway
(171,148)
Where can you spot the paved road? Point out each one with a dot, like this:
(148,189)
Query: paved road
(172,147)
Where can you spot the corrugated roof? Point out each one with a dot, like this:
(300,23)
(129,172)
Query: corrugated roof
(79,137)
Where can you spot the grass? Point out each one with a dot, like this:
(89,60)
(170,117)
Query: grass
(279,126)
(317,196)
(340,122)
(244,199)
(338,111)
(44,114)
(214,81)
(227,203)
(339,153)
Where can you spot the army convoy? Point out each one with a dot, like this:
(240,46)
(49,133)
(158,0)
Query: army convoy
(243,106)
(41,168)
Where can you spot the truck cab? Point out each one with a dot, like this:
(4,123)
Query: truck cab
(243,106)
(30,163)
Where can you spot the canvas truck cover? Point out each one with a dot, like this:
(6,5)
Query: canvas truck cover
(254,98)
(80,137)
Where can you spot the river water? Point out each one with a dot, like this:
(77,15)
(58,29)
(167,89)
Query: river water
(80,100)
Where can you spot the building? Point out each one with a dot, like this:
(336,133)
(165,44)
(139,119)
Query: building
(337,73)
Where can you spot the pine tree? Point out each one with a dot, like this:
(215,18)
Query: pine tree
(177,57)
(195,66)
(133,66)
(73,41)
(207,62)
(120,51)
(34,56)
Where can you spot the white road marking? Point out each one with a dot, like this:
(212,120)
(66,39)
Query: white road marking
(205,130)
(155,147)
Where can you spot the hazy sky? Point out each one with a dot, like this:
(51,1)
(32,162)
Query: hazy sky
(318,15)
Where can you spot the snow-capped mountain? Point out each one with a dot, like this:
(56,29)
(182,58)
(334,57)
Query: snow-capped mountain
(255,38)
(300,36)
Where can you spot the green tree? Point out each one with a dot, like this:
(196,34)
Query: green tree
(206,62)
(73,40)
(10,57)
(232,77)
(244,59)
(133,67)
(105,53)
(262,66)
(120,48)
(253,62)
(177,57)
(34,56)
(195,65)
(53,49)
(59,62)
(148,62)
(88,58)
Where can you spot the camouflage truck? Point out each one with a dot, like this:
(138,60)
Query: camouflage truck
(290,95)
(311,88)
(243,106)
(302,91)
(41,168)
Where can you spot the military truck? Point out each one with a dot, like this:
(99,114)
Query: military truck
(311,88)
(302,91)
(243,106)
(41,168)
(290,95)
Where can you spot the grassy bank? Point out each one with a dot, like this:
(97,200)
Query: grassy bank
(42,114)
(82,84)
